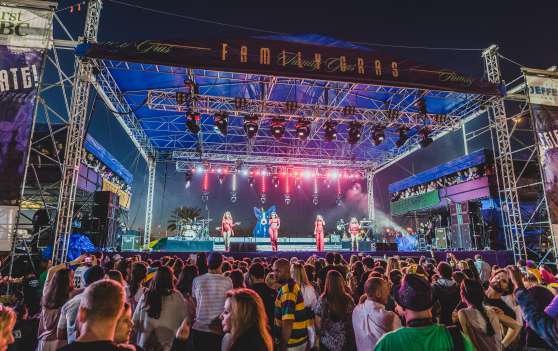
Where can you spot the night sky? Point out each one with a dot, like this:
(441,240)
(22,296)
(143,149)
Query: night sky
(525,35)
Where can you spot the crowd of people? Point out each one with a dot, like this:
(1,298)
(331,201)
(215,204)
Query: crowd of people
(92,162)
(213,302)
(462,176)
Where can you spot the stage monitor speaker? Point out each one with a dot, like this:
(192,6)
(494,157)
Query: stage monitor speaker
(386,246)
(243,247)
(441,242)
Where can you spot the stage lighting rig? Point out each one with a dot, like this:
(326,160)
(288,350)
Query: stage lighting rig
(233,197)
(315,199)
(378,135)
(251,181)
(251,126)
(188,179)
(205,196)
(192,122)
(330,130)
(221,122)
(221,178)
(339,200)
(425,138)
(180,97)
(263,198)
(355,132)
(288,199)
(275,181)
(403,137)
(278,127)
(303,128)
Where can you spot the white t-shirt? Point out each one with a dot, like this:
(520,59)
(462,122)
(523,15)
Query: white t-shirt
(370,322)
(209,292)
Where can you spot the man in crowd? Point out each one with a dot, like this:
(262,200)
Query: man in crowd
(414,305)
(66,329)
(545,326)
(99,311)
(291,320)
(370,318)
(484,269)
(208,290)
(446,293)
(268,295)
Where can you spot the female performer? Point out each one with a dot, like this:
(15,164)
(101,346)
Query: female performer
(274,224)
(319,226)
(227,225)
(354,230)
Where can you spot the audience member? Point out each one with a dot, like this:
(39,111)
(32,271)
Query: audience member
(267,294)
(446,293)
(370,318)
(134,289)
(7,323)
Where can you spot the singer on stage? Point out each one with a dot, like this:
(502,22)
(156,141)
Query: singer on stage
(319,227)
(354,230)
(227,226)
(274,224)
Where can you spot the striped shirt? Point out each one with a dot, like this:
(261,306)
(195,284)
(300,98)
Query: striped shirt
(209,292)
(289,305)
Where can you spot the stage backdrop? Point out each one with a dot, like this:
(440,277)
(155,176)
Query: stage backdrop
(543,99)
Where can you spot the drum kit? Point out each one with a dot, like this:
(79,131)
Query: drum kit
(196,229)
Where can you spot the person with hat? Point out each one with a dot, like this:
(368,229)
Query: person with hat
(414,300)
(209,292)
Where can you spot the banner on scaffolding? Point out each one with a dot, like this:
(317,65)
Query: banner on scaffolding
(543,100)
(19,80)
(25,27)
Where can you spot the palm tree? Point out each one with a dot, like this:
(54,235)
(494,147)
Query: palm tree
(183,215)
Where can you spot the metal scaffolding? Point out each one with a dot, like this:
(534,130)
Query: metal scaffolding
(75,137)
(151,169)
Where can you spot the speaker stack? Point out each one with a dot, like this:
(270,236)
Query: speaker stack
(105,222)
(460,229)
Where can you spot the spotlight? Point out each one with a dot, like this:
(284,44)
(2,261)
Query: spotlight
(188,179)
(315,199)
(251,181)
(263,198)
(330,130)
(221,178)
(221,122)
(251,126)
(288,199)
(180,98)
(192,122)
(275,181)
(425,139)
(278,127)
(339,200)
(205,196)
(233,197)
(355,132)
(402,136)
(303,128)
(378,135)
(298,184)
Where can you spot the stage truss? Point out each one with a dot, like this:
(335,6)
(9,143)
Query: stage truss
(163,137)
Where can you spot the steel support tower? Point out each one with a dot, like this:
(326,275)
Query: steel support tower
(151,168)
(503,158)
(74,140)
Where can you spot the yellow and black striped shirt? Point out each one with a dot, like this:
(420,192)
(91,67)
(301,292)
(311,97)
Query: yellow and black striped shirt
(289,305)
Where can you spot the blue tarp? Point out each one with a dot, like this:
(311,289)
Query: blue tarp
(106,158)
(474,159)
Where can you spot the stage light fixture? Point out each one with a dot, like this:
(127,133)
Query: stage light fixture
(288,199)
(403,137)
(263,198)
(192,122)
(233,197)
(339,200)
(221,122)
(251,126)
(302,128)
(330,130)
(205,196)
(251,181)
(188,179)
(355,132)
(378,136)
(278,127)
(275,181)
(180,98)
(315,199)
(221,178)
(425,138)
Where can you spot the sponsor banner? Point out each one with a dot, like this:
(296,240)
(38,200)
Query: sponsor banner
(291,59)
(25,27)
(19,79)
(545,119)
(542,90)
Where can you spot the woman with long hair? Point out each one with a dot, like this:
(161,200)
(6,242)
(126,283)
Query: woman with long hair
(237,278)
(184,285)
(334,315)
(135,289)
(274,224)
(56,292)
(245,322)
(227,225)
(298,273)
(159,313)
(319,229)
(482,324)
(7,323)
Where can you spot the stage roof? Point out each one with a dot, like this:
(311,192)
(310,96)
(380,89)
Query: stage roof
(308,76)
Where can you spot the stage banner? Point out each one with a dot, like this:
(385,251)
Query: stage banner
(19,80)
(543,99)
(25,27)
(419,202)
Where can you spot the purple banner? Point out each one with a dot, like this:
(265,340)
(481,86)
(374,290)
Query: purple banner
(19,78)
